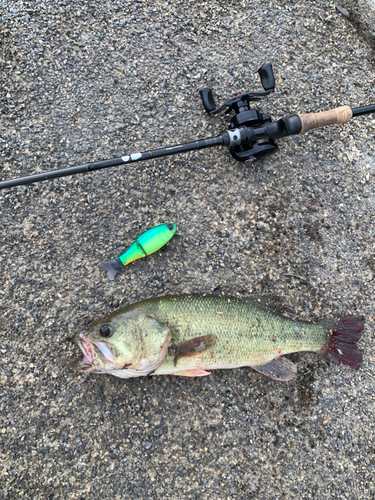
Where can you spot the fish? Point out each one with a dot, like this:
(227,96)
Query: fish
(188,335)
(147,243)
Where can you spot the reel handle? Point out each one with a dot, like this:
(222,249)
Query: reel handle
(240,100)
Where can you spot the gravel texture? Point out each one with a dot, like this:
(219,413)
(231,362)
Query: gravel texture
(362,14)
(85,81)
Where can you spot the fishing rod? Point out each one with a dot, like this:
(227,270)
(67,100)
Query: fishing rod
(250,136)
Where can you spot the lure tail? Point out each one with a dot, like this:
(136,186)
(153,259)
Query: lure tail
(113,267)
(342,346)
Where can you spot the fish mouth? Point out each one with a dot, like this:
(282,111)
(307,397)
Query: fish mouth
(85,347)
(82,363)
(92,352)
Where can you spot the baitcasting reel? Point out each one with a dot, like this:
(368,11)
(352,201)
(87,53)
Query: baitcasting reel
(244,115)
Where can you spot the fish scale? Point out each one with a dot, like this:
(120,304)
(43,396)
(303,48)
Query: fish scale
(186,335)
(247,333)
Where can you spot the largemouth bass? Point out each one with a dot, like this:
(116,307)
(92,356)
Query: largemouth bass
(189,335)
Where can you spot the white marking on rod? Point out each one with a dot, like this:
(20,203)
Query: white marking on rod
(132,157)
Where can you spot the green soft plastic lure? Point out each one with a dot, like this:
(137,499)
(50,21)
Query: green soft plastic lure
(149,242)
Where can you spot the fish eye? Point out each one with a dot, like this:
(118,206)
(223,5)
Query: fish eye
(105,331)
(170,227)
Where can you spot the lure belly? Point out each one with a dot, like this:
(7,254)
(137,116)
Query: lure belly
(147,243)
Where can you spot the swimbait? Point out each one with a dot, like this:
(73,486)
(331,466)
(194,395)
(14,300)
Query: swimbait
(188,335)
(149,242)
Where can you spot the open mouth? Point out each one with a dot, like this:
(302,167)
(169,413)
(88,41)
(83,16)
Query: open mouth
(83,363)
(86,349)
(97,351)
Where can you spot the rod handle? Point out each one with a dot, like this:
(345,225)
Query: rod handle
(309,121)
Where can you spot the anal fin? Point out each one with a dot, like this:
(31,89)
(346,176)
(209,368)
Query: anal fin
(278,369)
(195,372)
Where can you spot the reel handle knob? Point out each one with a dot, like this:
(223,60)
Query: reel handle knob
(267,77)
(207,99)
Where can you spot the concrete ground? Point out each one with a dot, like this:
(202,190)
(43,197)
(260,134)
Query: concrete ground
(362,14)
(85,81)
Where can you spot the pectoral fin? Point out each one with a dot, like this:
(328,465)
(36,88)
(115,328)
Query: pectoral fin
(193,346)
(278,369)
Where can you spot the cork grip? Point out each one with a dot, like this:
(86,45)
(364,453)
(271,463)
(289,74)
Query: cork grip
(335,116)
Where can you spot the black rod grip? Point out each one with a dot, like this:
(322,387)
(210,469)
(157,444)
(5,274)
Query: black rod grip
(289,125)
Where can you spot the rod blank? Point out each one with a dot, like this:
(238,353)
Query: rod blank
(365,110)
(124,160)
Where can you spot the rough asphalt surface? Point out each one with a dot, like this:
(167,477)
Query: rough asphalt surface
(85,81)
(362,14)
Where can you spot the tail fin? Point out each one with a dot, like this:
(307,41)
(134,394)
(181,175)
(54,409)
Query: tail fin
(342,346)
(112,266)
